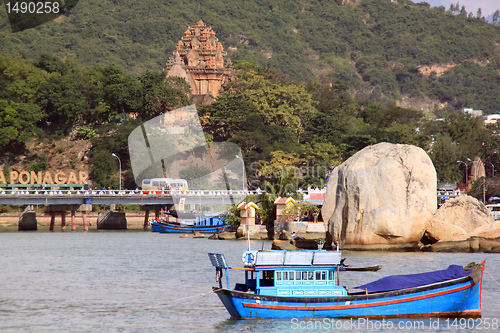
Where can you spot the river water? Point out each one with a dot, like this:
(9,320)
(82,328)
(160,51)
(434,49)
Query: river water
(134,281)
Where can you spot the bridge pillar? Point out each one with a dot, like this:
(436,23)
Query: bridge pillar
(52,220)
(146,218)
(156,208)
(63,220)
(73,220)
(63,208)
(27,221)
(112,221)
(85,223)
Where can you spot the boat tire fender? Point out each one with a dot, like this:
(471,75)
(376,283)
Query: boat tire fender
(248,258)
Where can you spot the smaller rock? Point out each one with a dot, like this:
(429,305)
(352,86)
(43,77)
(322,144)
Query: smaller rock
(471,245)
(284,236)
(184,236)
(240,233)
(199,235)
(308,244)
(459,219)
(489,245)
(226,235)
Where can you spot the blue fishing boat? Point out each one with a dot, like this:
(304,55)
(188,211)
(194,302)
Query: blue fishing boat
(303,284)
(154,226)
(191,223)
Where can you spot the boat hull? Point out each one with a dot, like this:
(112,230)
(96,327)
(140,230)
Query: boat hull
(166,228)
(456,298)
(154,226)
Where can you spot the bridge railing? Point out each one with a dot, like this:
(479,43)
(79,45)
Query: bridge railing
(84,192)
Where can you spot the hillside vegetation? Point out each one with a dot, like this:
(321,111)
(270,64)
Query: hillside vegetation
(314,84)
(378,48)
(290,132)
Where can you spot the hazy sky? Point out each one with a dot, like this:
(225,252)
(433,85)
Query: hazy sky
(488,7)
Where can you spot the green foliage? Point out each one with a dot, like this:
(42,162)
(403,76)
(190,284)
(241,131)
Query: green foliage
(366,40)
(52,64)
(469,85)
(444,155)
(298,210)
(104,166)
(232,216)
(194,174)
(363,56)
(160,94)
(278,103)
(87,132)
(113,91)
(20,80)
(17,124)
(41,164)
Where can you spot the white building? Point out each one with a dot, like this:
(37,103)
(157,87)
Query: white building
(475,113)
(491,118)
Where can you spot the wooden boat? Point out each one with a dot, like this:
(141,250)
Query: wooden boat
(191,223)
(303,284)
(154,226)
(361,269)
(170,227)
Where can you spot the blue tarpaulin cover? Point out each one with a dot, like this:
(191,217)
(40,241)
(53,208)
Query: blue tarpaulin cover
(397,282)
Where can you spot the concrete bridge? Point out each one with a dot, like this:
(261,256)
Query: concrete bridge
(110,197)
(60,202)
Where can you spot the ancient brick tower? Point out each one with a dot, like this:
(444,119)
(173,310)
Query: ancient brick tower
(199,58)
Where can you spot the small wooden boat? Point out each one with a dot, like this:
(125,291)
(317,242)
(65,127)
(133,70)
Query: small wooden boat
(154,226)
(191,223)
(172,227)
(302,284)
(361,269)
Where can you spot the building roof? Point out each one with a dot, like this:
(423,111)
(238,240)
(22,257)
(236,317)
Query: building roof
(245,205)
(284,201)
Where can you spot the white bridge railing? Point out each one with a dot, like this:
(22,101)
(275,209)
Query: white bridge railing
(190,193)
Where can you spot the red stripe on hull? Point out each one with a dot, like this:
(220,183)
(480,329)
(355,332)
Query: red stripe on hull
(354,306)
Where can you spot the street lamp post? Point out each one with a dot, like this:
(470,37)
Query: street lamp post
(120,163)
(493,169)
(243,169)
(466,171)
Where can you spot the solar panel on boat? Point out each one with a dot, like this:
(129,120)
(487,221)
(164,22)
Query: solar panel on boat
(269,258)
(218,260)
(326,258)
(298,258)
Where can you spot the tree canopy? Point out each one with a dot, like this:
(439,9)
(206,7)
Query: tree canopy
(382,50)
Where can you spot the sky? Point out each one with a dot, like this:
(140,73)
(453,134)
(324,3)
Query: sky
(488,7)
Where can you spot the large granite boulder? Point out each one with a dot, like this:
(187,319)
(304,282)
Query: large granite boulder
(384,194)
(459,219)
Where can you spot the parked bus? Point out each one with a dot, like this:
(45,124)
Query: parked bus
(163,185)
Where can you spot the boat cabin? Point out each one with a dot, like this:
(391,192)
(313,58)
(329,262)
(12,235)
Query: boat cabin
(208,220)
(291,273)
